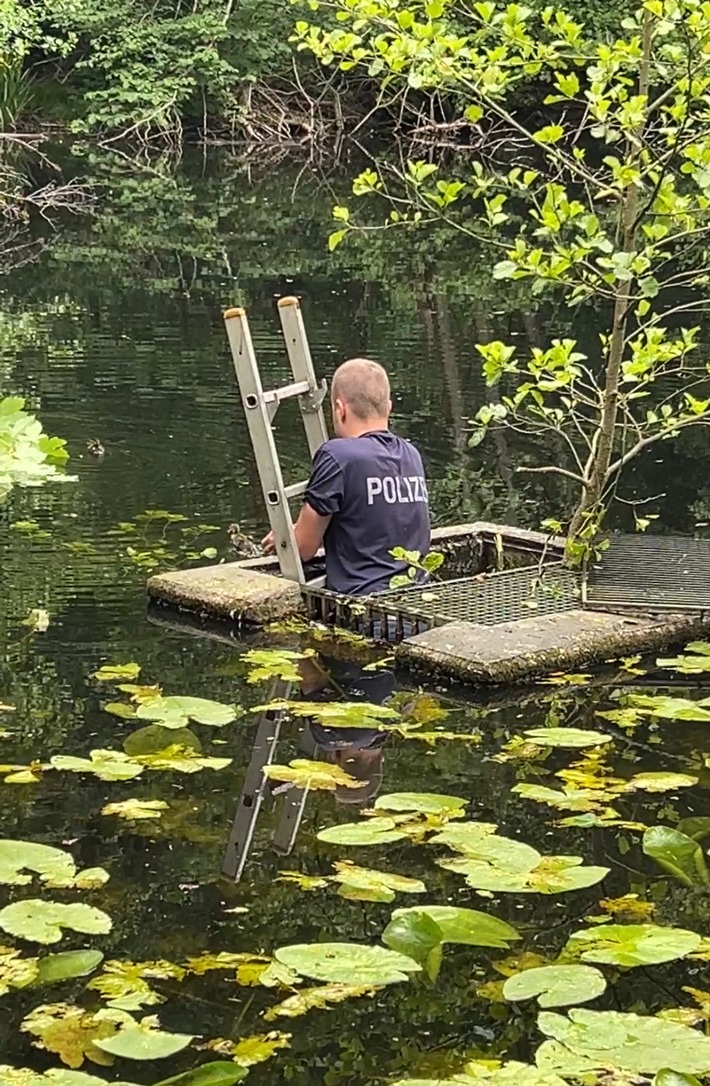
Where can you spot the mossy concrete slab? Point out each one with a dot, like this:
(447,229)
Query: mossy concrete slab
(228,591)
(519,651)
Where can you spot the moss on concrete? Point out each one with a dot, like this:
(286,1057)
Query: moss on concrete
(229,591)
(519,651)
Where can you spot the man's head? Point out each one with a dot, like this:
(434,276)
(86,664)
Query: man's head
(360,398)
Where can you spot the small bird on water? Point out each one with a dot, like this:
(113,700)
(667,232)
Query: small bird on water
(241,544)
(95,447)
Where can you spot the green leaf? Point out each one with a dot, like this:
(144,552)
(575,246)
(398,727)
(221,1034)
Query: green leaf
(666,1077)
(144,1041)
(175,712)
(219,1073)
(477,843)
(632,944)
(55,867)
(466,926)
(421,802)
(335,238)
(120,709)
(42,921)
(678,854)
(373,831)
(589,1040)
(415,934)
(107,765)
(117,673)
(67,965)
(552,875)
(56,1076)
(556,985)
(347,963)
(566,737)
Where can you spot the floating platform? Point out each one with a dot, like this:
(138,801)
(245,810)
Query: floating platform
(513,652)
(511,612)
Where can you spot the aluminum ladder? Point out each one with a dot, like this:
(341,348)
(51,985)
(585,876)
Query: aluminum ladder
(260,408)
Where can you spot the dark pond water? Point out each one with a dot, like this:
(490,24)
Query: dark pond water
(116,334)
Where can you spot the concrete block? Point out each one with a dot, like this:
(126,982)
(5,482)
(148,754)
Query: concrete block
(228,591)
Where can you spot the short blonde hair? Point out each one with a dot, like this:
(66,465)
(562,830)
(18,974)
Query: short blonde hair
(364,386)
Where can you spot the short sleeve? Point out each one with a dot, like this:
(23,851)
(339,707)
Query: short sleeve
(324,492)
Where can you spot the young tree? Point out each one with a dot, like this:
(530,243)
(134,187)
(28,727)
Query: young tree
(609,200)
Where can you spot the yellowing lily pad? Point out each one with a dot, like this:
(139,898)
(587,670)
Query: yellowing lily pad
(347,963)
(304,773)
(107,765)
(136,809)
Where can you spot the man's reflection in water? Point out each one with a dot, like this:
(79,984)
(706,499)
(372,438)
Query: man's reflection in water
(358,751)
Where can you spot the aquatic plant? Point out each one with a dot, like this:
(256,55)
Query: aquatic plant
(28,457)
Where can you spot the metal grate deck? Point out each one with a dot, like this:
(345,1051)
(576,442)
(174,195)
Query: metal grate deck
(498,597)
(657,573)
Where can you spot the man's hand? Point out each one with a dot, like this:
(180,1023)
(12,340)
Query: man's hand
(268,543)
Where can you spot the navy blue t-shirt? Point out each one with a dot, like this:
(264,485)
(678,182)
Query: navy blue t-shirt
(373,487)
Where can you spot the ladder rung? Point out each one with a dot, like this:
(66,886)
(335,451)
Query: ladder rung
(287,392)
(296,490)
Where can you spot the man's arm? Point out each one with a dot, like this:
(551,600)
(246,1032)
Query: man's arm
(310,529)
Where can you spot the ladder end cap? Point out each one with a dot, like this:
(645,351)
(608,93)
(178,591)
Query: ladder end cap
(290,300)
(235,311)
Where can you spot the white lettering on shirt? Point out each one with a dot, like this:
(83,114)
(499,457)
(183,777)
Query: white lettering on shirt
(374,487)
(397,489)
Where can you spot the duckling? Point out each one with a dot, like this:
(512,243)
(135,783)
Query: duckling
(95,447)
(243,546)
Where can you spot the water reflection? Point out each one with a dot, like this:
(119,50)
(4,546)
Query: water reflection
(357,751)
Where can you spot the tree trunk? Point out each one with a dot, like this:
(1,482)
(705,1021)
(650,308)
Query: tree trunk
(596,473)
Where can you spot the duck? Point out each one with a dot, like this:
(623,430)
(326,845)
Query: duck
(243,546)
(95,447)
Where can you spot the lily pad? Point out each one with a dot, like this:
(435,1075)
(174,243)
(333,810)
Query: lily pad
(56,1076)
(680,855)
(556,985)
(661,782)
(336,714)
(421,803)
(478,841)
(589,1040)
(144,1041)
(552,875)
(566,737)
(43,921)
(67,965)
(117,672)
(347,963)
(154,738)
(136,809)
(466,926)
(107,765)
(17,858)
(371,831)
(367,884)
(632,944)
(317,999)
(218,1073)
(304,773)
(181,760)
(176,712)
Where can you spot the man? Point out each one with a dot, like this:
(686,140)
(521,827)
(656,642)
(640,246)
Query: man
(367,493)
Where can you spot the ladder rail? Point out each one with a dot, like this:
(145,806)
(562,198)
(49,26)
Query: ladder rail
(299,355)
(262,438)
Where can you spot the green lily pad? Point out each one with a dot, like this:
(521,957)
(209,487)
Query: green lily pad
(556,985)
(347,963)
(219,1073)
(467,927)
(56,1076)
(680,855)
(589,1040)
(632,944)
(143,1041)
(566,737)
(420,802)
(54,867)
(42,921)
(107,765)
(478,843)
(67,965)
(414,934)
(155,737)
(552,875)
(371,831)
(176,712)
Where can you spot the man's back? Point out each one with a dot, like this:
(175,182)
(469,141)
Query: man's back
(374,489)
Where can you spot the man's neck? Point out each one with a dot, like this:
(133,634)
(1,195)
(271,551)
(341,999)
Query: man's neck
(366,426)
